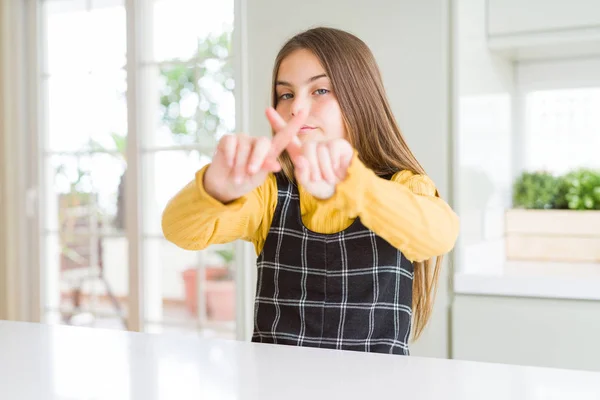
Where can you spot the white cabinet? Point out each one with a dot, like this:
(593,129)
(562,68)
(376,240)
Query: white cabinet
(538,29)
(513,17)
(555,333)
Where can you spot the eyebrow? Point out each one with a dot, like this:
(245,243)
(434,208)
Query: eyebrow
(314,78)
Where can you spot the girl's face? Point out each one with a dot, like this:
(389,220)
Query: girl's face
(303,84)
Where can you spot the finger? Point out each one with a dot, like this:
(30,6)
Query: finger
(260,149)
(347,154)
(271,165)
(335,154)
(325,164)
(341,155)
(227,146)
(286,133)
(276,121)
(310,151)
(302,170)
(241,158)
(294,147)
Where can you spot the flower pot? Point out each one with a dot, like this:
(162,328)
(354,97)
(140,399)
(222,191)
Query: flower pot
(220,300)
(553,235)
(219,294)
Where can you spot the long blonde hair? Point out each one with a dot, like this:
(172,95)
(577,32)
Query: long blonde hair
(371,128)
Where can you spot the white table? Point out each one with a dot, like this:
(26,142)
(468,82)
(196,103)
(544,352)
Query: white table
(58,362)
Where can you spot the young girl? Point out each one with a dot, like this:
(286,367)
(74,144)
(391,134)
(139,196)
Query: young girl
(344,220)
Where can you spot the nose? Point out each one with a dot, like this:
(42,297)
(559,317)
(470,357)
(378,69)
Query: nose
(297,105)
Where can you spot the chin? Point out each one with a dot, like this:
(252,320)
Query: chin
(310,136)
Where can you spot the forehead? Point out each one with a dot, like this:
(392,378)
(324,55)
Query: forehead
(299,66)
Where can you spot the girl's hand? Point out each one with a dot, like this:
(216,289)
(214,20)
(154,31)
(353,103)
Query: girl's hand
(318,165)
(242,163)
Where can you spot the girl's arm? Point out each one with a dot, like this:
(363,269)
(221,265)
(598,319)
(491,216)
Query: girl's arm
(234,197)
(404,211)
(193,219)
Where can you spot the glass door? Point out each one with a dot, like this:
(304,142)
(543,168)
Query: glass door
(104,260)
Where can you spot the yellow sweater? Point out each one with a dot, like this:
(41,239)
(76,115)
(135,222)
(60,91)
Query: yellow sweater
(403,211)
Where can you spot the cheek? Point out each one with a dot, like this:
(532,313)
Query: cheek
(282,109)
(330,114)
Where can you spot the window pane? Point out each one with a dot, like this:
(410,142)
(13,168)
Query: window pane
(562,129)
(189,289)
(196,104)
(67,36)
(166,173)
(85,254)
(86,280)
(77,38)
(108,46)
(178,108)
(182,29)
(86,110)
(90,186)
(67,186)
(217,103)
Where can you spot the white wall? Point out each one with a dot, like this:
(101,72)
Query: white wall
(410,40)
(484,142)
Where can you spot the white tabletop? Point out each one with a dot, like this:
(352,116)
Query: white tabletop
(58,362)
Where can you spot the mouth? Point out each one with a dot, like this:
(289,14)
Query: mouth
(306,129)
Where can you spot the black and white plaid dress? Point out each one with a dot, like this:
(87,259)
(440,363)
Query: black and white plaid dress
(349,290)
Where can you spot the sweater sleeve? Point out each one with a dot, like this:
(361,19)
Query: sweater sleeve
(194,220)
(405,211)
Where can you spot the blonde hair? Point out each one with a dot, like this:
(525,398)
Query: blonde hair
(371,128)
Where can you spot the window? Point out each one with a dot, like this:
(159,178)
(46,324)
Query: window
(185,103)
(544,118)
(562,129)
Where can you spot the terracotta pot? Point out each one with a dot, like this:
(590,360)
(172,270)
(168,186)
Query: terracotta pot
(220,294)
(220,300)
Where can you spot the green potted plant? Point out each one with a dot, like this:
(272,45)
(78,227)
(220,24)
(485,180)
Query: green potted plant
(555,218)
(537,191)
(582,189)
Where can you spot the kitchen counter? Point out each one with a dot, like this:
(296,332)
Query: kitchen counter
(59,362)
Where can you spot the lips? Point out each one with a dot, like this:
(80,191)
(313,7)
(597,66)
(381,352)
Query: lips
(306,128)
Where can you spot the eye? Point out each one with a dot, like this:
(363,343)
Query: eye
(321,91)
(285,96)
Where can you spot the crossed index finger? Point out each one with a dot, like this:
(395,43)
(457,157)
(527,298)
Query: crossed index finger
(285,133)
